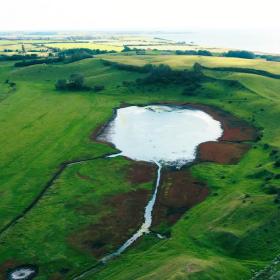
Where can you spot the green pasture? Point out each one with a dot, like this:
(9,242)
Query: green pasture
(234,232)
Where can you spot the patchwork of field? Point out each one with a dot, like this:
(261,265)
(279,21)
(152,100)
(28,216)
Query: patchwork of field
(64,204)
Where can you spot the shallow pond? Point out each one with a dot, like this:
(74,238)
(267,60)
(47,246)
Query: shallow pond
(168,135)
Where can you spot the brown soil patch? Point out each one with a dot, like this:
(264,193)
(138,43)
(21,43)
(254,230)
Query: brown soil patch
(140,172)
(222,152)
(179,192)
(126,216)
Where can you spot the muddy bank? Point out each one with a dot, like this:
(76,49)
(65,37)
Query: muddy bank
(179,192)
(125,217)
(229,149)
(222,152)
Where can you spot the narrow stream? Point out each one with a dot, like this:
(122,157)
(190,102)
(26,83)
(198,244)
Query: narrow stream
(148,218)
(144,229)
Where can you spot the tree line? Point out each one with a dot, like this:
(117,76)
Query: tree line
(64,56)
(231,53)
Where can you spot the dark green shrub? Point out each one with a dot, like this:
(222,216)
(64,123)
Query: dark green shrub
(61,84)
(75,82)
(240,54)
(98,88)
(271,189)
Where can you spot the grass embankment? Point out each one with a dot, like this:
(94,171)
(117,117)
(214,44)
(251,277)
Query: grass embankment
(233,231)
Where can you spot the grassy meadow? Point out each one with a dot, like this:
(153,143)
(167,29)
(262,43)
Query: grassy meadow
(233,233)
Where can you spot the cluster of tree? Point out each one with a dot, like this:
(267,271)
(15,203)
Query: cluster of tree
(85,51)
(65,56)
(240,54)
(127,67)
(193,52)
(38,61)
(38,50)
(270,57)
(163,74)
(16,57)
(76,82)
(10,83)
(127,49)
(136,50)
(72,55)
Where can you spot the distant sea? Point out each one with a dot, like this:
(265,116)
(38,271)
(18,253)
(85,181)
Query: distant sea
(259,41)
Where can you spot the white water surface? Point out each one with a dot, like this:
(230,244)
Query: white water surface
(168,135)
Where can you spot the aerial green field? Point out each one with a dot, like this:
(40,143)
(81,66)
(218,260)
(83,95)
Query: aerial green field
(57,188)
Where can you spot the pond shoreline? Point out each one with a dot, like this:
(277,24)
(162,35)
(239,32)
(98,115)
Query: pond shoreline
(235,131)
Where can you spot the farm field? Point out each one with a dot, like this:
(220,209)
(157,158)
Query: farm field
(64,204)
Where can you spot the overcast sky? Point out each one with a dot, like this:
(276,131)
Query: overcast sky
(138,15)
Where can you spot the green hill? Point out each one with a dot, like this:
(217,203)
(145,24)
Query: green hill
(50,208)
